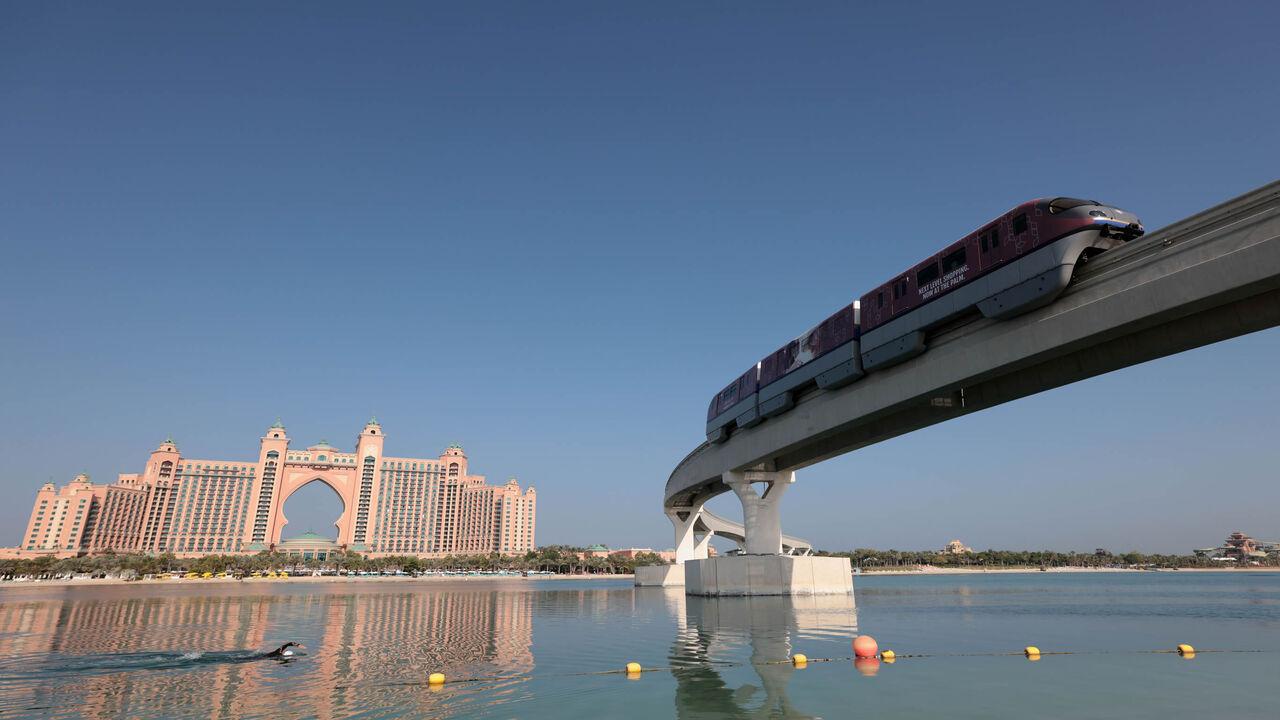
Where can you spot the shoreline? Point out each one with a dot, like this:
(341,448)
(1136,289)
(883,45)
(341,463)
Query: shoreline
(374,580)
(293,580)
(998,571)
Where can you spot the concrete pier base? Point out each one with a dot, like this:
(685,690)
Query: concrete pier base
(768,575)
(660,576)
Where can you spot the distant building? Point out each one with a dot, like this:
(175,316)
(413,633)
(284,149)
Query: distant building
(428,507)
(603,551)
(1240,547)
(310,545)
(955,547)
(666,555)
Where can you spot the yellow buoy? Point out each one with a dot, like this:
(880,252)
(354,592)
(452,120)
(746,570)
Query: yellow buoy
(633,668)
(888,656)
(436,678)
(1032,652)
(799,660)
(1186,651)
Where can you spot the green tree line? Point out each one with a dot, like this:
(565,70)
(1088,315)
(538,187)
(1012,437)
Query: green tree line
(870,559)
(563,559)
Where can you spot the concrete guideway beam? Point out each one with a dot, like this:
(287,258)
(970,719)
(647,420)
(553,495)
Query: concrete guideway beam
(761,514)
(1210,277)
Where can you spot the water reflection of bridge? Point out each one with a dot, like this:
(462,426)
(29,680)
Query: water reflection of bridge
(712,632)
(369,639)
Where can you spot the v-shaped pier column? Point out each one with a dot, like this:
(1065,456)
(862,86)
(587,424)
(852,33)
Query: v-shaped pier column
(761,569)
(761,518)
(688,545)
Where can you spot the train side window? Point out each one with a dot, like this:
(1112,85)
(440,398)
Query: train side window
(927,275)
(984,243)
(995,237)
(953,261)
(879,300)
(1020,224)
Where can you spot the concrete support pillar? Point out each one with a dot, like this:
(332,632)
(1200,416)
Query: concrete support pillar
(761,518)
(688,546)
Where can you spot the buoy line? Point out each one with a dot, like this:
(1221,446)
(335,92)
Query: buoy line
(1069,652)
(436,680)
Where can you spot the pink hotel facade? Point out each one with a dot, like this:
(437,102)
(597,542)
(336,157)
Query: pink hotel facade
(427,507)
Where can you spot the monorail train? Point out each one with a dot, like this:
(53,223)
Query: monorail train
(1020,261)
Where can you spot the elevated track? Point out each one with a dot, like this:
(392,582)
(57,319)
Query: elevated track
(1212,276)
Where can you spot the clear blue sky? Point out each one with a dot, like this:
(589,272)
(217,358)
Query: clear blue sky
(550,232)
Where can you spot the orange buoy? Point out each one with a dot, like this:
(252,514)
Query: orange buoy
(865,646)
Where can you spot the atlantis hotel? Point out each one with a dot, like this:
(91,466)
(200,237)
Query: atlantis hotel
(426,507)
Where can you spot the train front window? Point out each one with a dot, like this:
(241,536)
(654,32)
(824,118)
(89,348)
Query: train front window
(1058,205)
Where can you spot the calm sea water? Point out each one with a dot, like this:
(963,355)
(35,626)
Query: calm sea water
(528,649)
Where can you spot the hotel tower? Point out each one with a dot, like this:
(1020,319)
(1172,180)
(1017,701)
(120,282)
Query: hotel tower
(427,507)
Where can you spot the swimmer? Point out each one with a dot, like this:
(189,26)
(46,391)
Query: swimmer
(284,651)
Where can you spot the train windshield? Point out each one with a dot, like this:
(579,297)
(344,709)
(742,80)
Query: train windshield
(1058,205)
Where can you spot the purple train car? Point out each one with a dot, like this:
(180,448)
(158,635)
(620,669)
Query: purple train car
(738,398)
(1020,261)
(827,356)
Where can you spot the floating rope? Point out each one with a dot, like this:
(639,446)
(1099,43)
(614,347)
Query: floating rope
(800,661)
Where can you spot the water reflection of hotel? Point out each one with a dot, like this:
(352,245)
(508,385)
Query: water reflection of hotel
(356,643)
